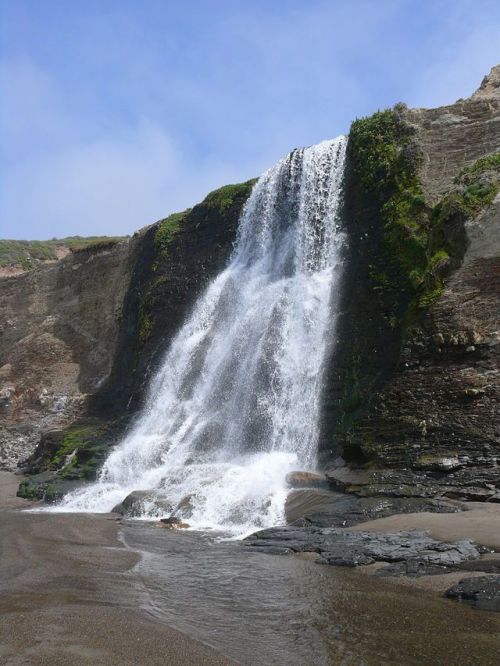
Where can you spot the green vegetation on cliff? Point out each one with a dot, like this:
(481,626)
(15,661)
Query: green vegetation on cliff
(402,249)
(474,188)
(28,253)
(217,203)
(168,229)
(225,196)
(386,164)
(418,248)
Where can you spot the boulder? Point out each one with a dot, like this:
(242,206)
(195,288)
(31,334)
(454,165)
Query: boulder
(483,592)
(185,507)
(305,480)
(135,503)
(173,523)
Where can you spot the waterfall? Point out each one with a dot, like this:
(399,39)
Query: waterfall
(235,404)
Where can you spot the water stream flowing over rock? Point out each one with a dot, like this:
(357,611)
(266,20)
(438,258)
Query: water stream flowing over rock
(235,405)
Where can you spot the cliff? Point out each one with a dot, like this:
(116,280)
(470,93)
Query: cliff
(413,383)
(418,392)
(59,328)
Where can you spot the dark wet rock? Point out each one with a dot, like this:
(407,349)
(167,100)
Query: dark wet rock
(76,452)
(353,558)
(414,569)
(47,486)
(273,550)
(137,501)
(323,508)
(173,523)
(185,507)
(458,482)
(171,520)
(487,566)
(305,480)
(483,592)
(344,479)
(342,548)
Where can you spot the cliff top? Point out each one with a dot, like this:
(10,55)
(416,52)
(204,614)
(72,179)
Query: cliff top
(490,85)
(18,256)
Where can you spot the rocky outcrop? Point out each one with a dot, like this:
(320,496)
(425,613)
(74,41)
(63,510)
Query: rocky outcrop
(417,391)
(134,504)
(454,136)
(58,333)
(323,508)
(350,549)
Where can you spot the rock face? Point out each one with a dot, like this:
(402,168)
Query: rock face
(58,333)
(420,389)
(176,260)
(456,135)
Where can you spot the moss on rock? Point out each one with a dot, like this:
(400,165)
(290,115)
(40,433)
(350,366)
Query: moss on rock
(225,196)
(401,251)
(418,250)
(386,163)
(168,229)
(166,240)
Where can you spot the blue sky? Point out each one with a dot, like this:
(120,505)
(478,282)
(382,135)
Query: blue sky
(115,113)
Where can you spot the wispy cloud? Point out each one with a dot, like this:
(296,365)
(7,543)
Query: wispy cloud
(117,113)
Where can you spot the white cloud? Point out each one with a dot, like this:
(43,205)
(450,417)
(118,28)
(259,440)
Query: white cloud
(111,186)
(58,182)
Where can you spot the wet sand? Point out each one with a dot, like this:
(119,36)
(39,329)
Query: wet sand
(81,589)
(66,598)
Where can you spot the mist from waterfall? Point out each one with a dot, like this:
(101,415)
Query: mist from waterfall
(235,404)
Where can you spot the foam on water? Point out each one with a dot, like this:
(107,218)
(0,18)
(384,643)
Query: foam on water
(235,405)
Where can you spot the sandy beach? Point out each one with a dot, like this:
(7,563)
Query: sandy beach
(66,599)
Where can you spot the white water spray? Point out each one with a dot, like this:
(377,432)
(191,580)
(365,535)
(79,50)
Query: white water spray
(235,405)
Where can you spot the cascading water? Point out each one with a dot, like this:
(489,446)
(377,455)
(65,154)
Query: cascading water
(235,405)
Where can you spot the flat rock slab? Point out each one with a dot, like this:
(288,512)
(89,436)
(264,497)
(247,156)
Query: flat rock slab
(323,508)
(338,547)
(439,477)
(483,592)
